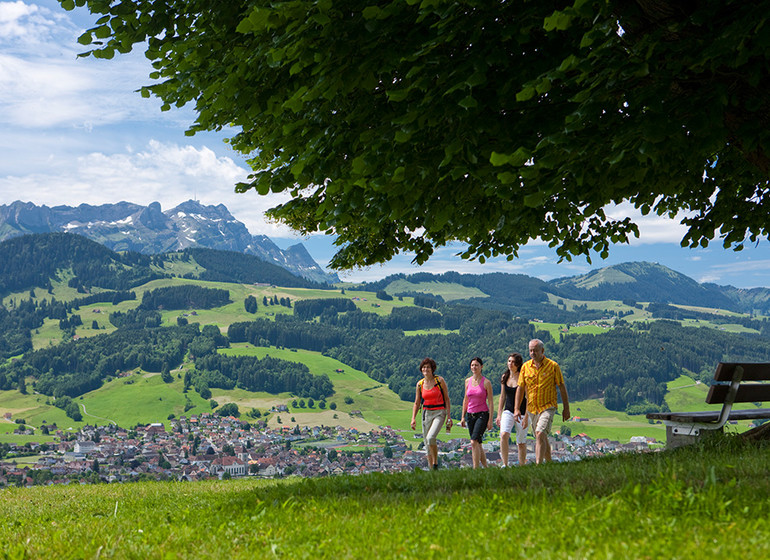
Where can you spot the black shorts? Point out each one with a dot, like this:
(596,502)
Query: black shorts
(477,424)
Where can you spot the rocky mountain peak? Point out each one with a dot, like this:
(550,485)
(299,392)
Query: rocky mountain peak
(125,226)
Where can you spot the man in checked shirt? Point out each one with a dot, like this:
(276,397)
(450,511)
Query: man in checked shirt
(539,377)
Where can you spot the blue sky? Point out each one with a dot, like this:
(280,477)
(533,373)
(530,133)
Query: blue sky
(75,131)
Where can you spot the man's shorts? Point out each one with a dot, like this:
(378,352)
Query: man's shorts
(542,421)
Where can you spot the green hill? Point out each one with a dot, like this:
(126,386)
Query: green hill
(643,281)
(174,342)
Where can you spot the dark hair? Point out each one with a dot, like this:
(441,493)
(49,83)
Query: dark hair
(430,362)
(476,359)
(517,360)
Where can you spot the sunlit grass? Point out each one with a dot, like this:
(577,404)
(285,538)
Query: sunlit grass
(702,501)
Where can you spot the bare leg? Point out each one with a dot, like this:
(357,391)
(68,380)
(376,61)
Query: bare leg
(479,457)
(504,439)
(432,455)
(522,454)
(541,447)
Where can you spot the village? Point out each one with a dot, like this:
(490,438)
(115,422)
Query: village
(213,447)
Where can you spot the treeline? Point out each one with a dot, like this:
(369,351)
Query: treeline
(286,331)
(307,309)
(517,294)
(19,319)
(401,318)
(113,297)
(666,311)
(33,260)
(230,266)
(76,367)
(630,365)
(268,374)
(184,297)
(341,312)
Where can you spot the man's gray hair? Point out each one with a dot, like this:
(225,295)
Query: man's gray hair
(538,342)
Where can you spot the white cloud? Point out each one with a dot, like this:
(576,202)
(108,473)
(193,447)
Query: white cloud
(652,228)
(166,173)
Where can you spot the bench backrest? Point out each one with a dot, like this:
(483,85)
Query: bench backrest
(747,392)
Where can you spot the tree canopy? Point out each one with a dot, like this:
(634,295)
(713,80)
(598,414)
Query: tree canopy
(408,124)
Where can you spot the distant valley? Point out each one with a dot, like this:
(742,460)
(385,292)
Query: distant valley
(137,338)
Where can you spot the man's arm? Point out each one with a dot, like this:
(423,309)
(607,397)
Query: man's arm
(565,415)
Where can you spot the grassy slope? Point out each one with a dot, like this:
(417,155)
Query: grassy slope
(447,290)
(702,501)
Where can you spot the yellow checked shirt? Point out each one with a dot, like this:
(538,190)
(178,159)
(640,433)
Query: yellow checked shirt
(540,384)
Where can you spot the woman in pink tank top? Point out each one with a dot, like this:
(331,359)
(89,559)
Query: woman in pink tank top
(477,407)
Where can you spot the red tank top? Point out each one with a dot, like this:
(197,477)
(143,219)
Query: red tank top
(432,398)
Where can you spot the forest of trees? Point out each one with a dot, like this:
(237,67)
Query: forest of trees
(270,375)
(33,260)
(184,297)
(230,266)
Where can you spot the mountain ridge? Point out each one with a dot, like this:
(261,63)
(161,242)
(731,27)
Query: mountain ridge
(126,226)
(632,281)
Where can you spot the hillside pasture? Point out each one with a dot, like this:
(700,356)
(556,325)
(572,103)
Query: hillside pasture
(449,291)
(375,400)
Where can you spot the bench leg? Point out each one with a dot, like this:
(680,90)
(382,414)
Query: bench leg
(679,437)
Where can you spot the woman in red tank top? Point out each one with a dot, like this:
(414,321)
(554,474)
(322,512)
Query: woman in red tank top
(431,392)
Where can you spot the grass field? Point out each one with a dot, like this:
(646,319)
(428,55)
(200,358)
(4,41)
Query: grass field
(704,501)
(447,290)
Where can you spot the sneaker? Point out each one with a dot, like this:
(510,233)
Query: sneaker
(435,467)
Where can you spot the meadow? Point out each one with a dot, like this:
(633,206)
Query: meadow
(707,500)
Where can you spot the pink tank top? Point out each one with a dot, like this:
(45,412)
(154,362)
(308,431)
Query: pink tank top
(477,396)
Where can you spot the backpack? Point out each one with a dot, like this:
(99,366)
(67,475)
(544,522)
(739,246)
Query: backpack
(440,388)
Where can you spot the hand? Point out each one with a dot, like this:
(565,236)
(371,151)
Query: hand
(497,420)
(414,424)
(489,424)
(525,421)
(565,415)
(462,422)
(516,416)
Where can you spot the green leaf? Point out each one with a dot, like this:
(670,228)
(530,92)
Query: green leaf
(497,159)
(397,94)
(534,200)
(557,21)
(476,79)
(359,165)
(468,102)
(371,12)
(402,136)
(526,94)
(102,32)
(520,157)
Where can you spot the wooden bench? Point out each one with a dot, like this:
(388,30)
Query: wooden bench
(733,383)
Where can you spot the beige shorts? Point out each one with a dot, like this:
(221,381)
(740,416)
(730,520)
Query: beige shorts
(542,421)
